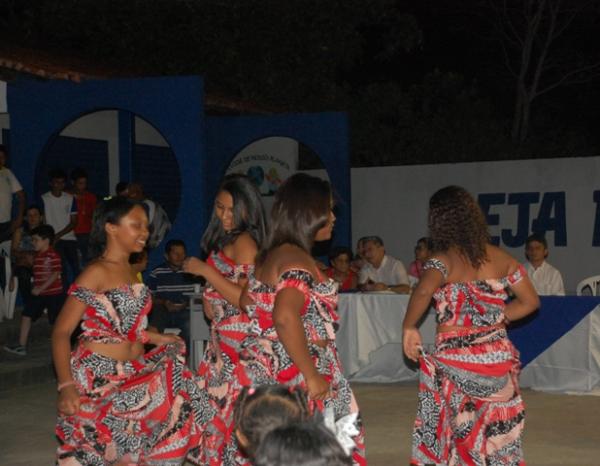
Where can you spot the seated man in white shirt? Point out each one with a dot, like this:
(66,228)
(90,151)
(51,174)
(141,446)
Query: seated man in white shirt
(546,279)
(381,272)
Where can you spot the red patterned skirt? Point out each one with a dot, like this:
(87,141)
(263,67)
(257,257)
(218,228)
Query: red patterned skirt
(470,409)
(270,363)
(145,411)
(220,375)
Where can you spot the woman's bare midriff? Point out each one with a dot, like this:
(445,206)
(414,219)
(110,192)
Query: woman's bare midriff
(321,343)
(125,351)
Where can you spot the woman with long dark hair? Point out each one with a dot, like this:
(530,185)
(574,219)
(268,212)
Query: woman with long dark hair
(118,405)
(293,308)
(232,238)
(470,409)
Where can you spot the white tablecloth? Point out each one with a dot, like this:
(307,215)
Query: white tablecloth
(369,342)
(369,338)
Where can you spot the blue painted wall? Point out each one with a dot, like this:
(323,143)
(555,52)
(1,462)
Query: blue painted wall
(39,110)
(324,133)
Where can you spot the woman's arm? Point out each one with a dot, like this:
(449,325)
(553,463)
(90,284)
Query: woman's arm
(244,252)
(288,324)
(525,301)
(67,321)
(418,304)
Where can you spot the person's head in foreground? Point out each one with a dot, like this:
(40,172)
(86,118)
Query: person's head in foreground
(237,209)
(262,409)
(456,221)
(119,222)
(302,213)
(307,443)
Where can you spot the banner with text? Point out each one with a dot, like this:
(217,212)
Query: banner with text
(557,197)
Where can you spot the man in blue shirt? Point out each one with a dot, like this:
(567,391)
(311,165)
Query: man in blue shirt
(168,283)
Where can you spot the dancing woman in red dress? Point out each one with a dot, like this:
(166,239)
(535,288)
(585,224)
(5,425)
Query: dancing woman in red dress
(470,409)
(235,232)
(293,308)
(118,405)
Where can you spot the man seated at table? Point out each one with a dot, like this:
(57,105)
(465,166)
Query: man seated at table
(546,279)
(168,284)
(381,272)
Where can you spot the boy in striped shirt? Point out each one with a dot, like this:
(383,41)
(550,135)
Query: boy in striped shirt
(47,286)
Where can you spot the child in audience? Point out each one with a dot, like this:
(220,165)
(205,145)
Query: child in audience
(260,410)
(47,292)
(301,444)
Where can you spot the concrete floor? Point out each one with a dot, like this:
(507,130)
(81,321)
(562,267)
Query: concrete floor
(560,429)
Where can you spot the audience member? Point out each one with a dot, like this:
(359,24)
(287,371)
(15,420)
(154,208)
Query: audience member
(301,444)
(340,271)
(423,250)
(139,262)
(122,189)
(23,253)
(47,292)
(60,212)
(359,260)
(159,222)
(168,282)
(546,279)
(85,205)
(381,272)
(260,410)
(9,186)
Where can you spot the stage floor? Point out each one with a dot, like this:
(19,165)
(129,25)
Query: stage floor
(560,429)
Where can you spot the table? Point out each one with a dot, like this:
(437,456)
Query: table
(559,345)
(369,338)
(199,330)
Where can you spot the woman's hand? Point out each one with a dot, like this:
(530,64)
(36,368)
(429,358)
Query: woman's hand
(411,343)
(194,266)
(318,387)
(68,400)
(168,338)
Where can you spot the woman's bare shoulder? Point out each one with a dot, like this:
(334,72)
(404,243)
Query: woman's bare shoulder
(502,261)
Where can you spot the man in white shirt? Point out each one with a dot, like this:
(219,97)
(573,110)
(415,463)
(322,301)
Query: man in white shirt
(546,279)
(60,212)
(381,272)
(9,186)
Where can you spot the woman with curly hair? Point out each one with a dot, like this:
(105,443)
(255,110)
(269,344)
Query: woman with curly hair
(470,409)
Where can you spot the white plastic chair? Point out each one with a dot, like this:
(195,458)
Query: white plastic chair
(593,283)
(7,298)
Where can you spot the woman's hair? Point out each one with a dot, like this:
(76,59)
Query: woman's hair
(456,220)
(110,211)
(248,215)
(301,444)
(262,409)
(302,207)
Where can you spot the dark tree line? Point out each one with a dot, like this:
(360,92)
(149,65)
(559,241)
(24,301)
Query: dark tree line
(422,83)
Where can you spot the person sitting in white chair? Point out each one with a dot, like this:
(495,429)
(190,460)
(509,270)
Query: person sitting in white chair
(546,279)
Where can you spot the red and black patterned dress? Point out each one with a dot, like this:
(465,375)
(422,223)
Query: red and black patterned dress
(143,411)
(270,362)
(219,371)
(470,409)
